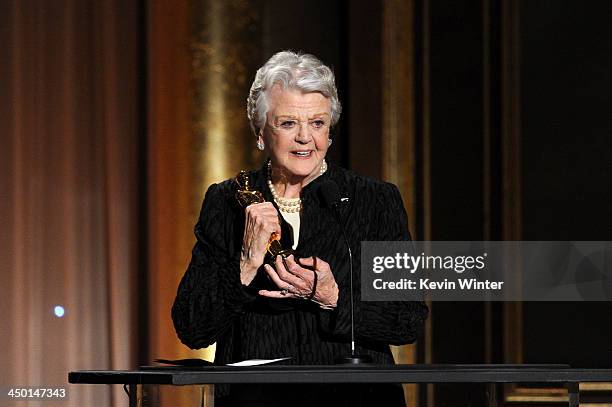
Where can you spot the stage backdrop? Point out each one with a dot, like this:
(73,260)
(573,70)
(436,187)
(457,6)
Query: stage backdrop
(69,192)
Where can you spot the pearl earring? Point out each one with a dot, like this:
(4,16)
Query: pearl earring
(260,144)
(329,142)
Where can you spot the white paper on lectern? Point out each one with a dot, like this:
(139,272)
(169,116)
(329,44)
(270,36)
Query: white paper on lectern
(256,362)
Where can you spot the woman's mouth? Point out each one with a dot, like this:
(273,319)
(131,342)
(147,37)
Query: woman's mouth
(302,153)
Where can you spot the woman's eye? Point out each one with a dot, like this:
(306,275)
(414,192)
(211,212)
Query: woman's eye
(318,123)
(287,124)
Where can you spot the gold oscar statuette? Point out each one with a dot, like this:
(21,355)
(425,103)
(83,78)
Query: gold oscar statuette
(246,196)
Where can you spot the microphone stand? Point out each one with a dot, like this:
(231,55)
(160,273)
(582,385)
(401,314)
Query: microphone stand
(354,358)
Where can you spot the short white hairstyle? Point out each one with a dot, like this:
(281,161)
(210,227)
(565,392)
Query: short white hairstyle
(293,70)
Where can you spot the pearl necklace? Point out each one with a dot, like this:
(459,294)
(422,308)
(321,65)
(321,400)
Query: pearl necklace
(288,205)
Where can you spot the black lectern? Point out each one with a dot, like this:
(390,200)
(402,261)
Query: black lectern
(559,374)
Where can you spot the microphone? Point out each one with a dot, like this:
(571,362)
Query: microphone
(331,196)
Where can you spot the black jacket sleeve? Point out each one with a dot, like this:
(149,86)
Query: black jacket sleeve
(391,322)
(210,295)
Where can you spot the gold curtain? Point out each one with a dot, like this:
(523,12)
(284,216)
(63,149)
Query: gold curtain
(398,130)
(202,56)
(69,188)
(201,62)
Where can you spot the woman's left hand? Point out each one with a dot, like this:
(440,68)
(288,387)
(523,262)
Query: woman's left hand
(315,283)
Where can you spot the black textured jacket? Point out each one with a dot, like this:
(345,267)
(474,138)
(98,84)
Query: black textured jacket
(213,306)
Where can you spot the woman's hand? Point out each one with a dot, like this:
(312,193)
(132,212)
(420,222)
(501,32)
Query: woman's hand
(315,283)
(261,222)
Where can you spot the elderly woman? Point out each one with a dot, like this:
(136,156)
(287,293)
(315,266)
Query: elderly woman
(257,307)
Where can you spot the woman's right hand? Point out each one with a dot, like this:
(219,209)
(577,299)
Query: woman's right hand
(262,220)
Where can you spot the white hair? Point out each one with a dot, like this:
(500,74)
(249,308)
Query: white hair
(289,69)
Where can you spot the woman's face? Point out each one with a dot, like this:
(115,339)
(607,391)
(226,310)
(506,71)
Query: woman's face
(297,132)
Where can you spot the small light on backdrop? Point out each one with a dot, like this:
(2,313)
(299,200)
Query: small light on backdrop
(58,311)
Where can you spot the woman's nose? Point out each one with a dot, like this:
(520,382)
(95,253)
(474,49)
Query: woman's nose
(303,135)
